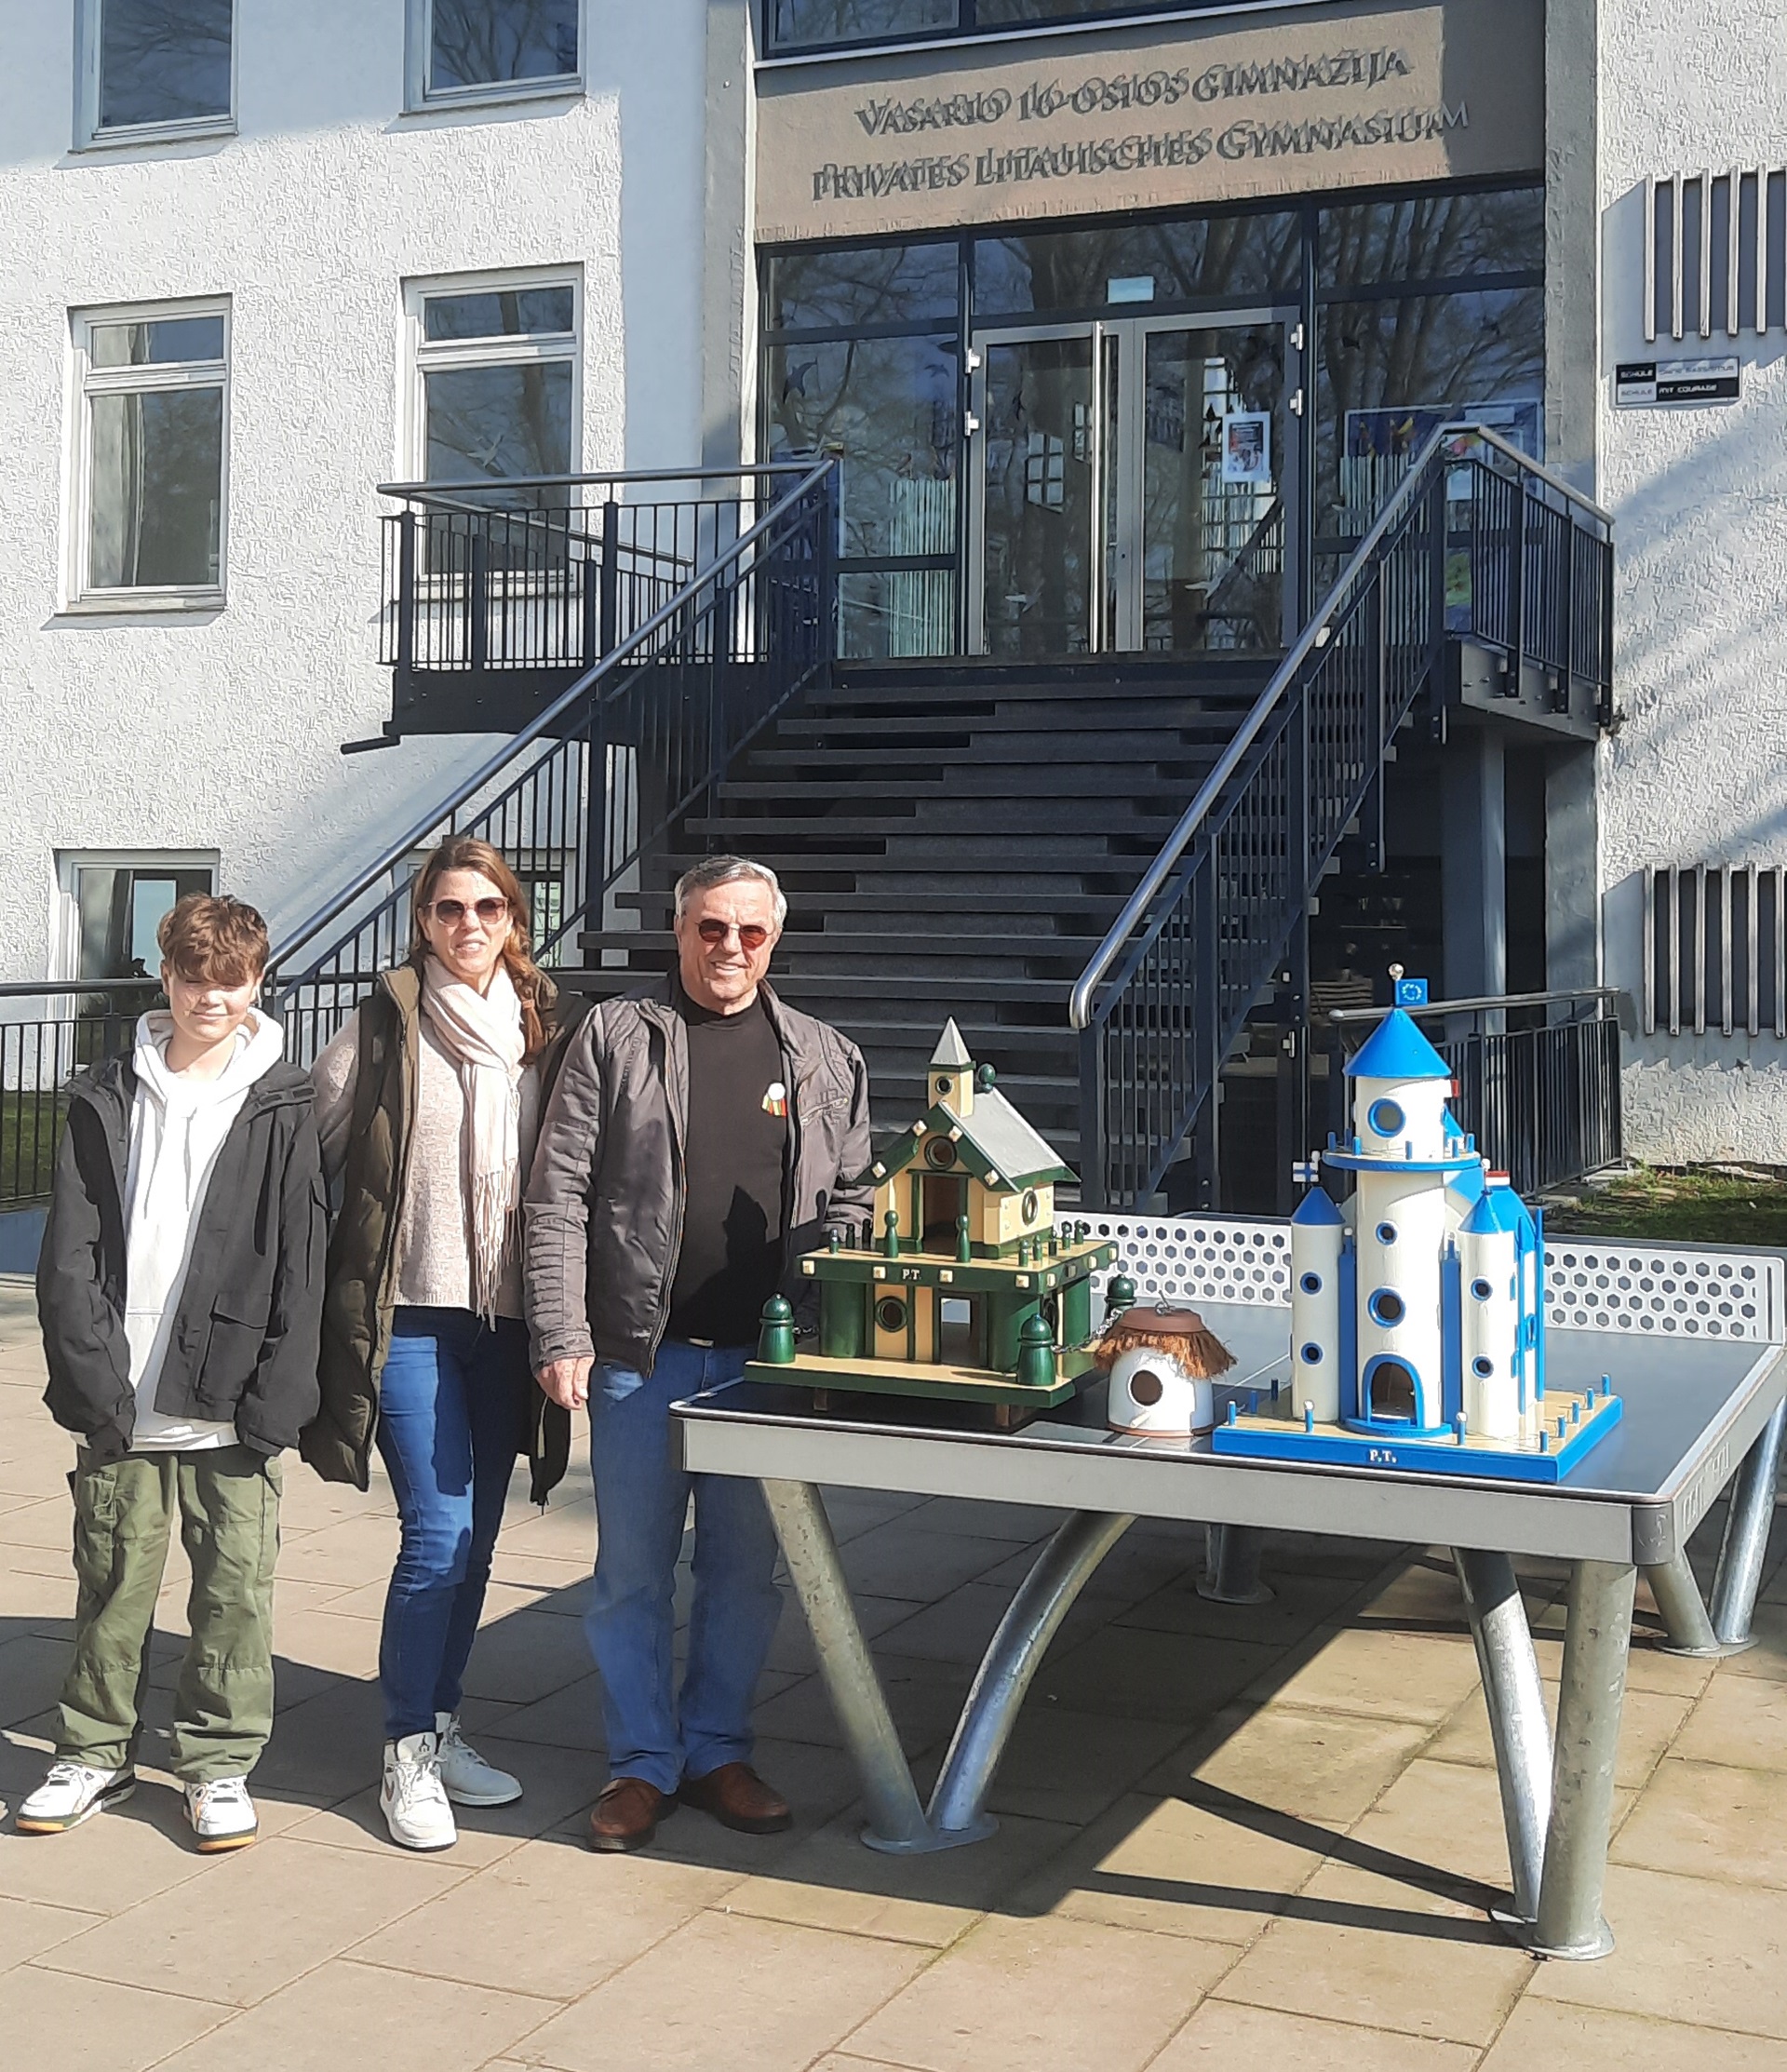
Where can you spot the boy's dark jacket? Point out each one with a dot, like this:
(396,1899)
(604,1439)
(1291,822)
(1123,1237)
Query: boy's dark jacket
(244,1343)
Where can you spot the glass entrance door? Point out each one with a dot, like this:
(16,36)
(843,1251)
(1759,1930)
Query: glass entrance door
(1136,486)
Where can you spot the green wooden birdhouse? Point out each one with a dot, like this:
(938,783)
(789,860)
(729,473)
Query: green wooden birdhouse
(962,1286)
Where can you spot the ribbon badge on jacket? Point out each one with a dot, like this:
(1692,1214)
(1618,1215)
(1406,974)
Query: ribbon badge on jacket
(776,1099)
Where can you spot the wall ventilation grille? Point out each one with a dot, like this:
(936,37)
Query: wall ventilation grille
(1715,949)
(1715,258)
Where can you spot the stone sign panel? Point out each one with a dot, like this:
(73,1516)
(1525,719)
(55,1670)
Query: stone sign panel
(1150,116)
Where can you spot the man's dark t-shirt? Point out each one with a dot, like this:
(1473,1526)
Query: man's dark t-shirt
(735,1157)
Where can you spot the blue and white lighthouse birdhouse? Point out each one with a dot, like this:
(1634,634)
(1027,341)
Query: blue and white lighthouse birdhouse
(1418,1298)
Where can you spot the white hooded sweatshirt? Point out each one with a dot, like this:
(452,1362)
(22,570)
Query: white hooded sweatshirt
(178,1126)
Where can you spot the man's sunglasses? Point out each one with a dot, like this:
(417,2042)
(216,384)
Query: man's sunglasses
(450,912)
(752,934)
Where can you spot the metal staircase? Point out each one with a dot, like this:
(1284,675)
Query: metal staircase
(1478,545)
(594,782)
(1007,843)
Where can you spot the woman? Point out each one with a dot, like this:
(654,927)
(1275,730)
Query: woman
(427,1103)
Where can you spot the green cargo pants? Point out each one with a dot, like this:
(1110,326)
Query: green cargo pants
(228,1502)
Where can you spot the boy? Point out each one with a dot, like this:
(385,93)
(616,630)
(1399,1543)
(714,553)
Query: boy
(180,1291)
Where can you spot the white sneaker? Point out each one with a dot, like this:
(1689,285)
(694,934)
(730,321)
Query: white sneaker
(467,1778)
(71,1793)
(412,1798)
(221,1813)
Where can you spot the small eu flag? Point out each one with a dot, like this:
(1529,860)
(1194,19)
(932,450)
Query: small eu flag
(1411,993)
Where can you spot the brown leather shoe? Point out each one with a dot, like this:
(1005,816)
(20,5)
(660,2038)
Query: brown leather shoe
(627,1813)
(738,1797)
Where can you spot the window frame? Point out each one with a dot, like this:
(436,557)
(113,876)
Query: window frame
(420,98)
(968,29)
(65,948)
(86,382)
(424,357)
(88,134)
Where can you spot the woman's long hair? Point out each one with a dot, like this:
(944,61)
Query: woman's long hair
(533,987)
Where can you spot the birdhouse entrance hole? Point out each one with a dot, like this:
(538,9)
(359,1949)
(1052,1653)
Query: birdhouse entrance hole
(1392,1391)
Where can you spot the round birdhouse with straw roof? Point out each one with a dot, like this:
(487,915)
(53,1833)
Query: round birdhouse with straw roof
(1161,1363)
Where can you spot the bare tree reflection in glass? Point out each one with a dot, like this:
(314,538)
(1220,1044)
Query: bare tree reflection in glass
(163,60)
(810,22)
(488,43)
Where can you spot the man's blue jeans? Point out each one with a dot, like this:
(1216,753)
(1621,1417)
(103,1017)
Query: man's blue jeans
(452,1404)
(641,1502)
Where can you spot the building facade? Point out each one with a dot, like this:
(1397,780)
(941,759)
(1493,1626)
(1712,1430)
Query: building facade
(259,260)
(1123,322)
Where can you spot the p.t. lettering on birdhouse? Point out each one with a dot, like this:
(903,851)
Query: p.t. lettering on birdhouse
(962,1288)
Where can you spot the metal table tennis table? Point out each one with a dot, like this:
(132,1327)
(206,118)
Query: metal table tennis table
(1695,1339)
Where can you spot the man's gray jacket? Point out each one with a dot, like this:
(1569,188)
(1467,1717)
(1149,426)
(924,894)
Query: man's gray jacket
(605,1200)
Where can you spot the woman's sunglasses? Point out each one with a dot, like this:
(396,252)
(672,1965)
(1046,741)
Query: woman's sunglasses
(450,912)
(751,936)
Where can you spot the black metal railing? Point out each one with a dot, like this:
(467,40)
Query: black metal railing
(577,797)
(1456,551)
(550,573)
(49,1029)
(1537,1075)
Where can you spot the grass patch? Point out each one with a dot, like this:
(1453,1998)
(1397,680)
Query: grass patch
(1687,1203)
(29,1126)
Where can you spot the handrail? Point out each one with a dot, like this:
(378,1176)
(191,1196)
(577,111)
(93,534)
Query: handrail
(493,764)
(1483,1004)
(45,989)
(416,490)
(1314,635)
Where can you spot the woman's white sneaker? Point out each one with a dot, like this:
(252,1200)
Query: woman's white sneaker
(412,1798)
(221,1813)
(71,1793)
(466,1777)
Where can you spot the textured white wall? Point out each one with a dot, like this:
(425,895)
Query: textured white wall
(222,731)
(1698,770)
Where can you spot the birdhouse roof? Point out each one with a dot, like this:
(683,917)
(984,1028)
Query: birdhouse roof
(1396,1049)
(951,1053)
(1317,1207)
(994,1140)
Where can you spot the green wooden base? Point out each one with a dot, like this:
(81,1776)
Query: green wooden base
(813,1370)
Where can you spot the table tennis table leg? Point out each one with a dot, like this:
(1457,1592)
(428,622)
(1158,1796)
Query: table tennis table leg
(1012,1657)
(1685,1616)
(1596,1642)
(1231,1566)
(1746,1535)
(897,1823)
(1516,1699)
(897,1818)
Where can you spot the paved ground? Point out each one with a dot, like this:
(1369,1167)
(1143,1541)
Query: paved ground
(1259,1839)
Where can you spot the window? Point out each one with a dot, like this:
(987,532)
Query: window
(151,464)
(496,387)
(890,404)
(156,68)
(464,50)
(821,25)
(112,903)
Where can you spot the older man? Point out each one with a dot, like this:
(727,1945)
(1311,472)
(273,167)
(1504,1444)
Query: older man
(701,1135)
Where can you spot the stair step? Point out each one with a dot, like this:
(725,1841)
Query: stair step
(1171,780)
(815,950)
(951,817)
(986,748)
(958,733)
(1096,909)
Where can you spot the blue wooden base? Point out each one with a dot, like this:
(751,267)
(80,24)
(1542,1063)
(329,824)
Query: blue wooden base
(1252,1436)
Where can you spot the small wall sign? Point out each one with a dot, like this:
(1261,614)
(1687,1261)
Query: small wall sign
(1639,383)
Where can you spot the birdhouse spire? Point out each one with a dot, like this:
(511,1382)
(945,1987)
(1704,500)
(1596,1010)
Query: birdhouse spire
(952,1071)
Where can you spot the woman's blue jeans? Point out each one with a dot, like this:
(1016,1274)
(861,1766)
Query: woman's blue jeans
(452,1406)
(642,1496)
